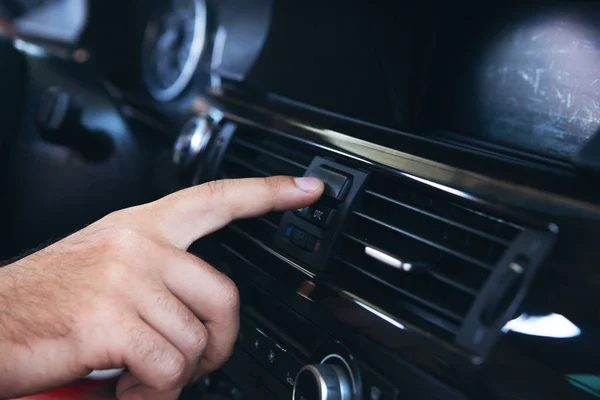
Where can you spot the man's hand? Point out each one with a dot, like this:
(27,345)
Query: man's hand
(124,293)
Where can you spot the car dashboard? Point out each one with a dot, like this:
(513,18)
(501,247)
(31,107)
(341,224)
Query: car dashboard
(453,254)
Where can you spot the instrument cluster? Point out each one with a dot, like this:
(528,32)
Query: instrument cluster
(186,40)
(174,41)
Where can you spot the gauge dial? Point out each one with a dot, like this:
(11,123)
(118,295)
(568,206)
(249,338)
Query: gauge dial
(173,44)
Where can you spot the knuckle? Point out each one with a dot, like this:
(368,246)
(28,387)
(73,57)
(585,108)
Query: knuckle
(230,296)
(196,336)
(198,341)
(113,274)
(173,371)
(169,365)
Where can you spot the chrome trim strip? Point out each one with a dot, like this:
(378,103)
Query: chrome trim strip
(459,182)
(370,308)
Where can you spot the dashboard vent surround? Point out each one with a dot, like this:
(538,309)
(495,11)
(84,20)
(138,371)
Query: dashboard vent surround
(460,245)
(254,153)
(468,267)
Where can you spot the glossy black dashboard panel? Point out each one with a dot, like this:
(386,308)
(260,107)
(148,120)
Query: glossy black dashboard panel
(556,290)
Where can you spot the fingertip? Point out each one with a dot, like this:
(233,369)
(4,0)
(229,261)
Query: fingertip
(309,185)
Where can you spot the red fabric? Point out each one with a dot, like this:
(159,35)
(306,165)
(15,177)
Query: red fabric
(84,390)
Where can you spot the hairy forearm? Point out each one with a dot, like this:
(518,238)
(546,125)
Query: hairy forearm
(32,328)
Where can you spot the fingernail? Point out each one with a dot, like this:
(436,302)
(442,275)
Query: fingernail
(308,185)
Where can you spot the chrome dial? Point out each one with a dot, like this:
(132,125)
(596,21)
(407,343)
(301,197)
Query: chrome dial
(322,382)
(192,141)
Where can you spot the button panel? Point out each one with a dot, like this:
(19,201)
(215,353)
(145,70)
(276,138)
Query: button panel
(286,367)
(318,214)
(307,234)
(274,356)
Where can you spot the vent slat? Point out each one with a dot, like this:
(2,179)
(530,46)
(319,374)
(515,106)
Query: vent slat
(232,251)
(434,286)
(248,145)
(442,219)
(248,166)
(243,251)
(261,253)
(437,275)
(441,272)
(271,219)
(442,278)
(422,240)
(402,307)
(448,313)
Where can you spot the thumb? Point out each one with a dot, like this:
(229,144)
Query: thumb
(186,216)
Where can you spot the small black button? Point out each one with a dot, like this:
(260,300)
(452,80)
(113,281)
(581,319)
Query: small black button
(336,184)
(304,240)
(257,343)
(286,366)
(319,215)
(269,355)
(302,212)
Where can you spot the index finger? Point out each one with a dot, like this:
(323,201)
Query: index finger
(188,215)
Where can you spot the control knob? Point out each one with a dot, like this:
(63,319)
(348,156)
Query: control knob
(192,141)
(322,382)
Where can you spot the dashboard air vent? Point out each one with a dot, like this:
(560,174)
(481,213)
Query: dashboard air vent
(451,251)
